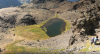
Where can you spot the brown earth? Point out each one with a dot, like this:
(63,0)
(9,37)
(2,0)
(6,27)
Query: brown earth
(82,15)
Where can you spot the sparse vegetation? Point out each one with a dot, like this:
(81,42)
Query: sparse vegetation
(33,32)
(89,47)
(13,49)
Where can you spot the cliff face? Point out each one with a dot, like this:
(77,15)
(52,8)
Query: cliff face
(88,23)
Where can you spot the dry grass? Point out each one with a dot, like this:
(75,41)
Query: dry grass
(89,47)
(32,32)
(13,49)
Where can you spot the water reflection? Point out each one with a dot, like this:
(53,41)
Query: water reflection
(54,27)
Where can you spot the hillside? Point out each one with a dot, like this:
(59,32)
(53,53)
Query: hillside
(24,1)
(9,3)
(12,3)
(62,27)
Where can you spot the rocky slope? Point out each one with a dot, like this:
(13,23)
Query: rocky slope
(21,17)
(43,4)
(88,22)
(82,15)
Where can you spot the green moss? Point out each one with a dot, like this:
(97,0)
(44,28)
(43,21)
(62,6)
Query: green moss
(45,29)
(33,32)
(63,49)
(12,49)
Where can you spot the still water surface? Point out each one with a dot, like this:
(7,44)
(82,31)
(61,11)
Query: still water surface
(54,27)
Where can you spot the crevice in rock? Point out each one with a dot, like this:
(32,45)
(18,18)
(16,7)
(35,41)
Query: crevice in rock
(27,20)
(90,27)
(93,1)
(79,5)
(99,7)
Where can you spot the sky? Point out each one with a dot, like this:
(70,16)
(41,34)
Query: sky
(73,0)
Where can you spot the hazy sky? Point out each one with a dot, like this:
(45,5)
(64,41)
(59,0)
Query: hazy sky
(73,0)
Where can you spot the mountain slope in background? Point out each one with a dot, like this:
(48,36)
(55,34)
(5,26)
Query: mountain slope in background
(9,3)
(24,1)
(12,3)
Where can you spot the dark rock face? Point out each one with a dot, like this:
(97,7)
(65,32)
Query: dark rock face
(43,1)
(88,22)
(7,22)
(28,20)
(2,49)
(11,22)
(22,17)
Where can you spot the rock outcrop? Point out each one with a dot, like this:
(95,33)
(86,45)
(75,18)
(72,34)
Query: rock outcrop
(88,22)
(21,17)
(43,4)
